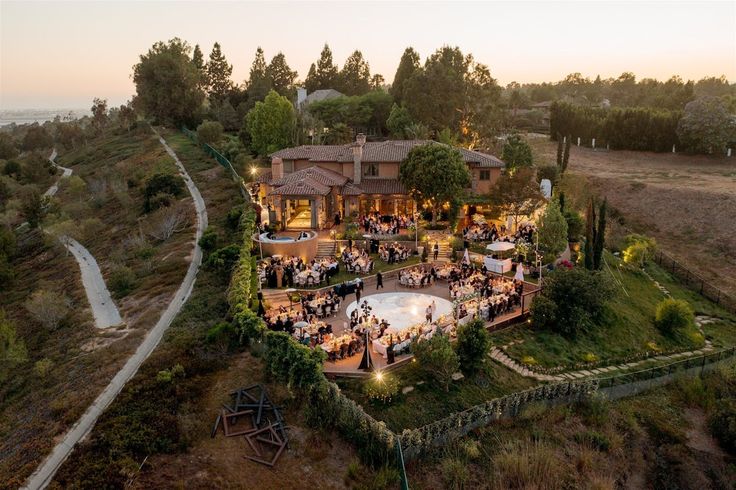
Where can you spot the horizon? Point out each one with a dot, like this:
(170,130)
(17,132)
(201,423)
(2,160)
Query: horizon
(59,55)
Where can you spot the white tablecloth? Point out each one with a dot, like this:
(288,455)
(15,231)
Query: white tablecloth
(380,348)
(498,266)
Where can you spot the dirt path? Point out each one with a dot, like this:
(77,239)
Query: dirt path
(45,472)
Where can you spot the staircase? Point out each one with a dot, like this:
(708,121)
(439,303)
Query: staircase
(326,248)
(275,297)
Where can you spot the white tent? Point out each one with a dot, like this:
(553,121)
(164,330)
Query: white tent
(500,246)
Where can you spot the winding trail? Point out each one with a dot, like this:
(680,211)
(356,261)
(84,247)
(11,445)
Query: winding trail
(104,311)
(45,472)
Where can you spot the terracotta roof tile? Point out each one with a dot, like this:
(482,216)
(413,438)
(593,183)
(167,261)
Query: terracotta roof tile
(304,187)
(382,186)
(317,174)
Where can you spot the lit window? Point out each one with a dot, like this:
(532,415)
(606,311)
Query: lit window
(485,175)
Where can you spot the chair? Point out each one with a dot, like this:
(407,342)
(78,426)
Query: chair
(310,280)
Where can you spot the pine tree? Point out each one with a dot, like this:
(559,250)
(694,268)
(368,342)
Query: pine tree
(198,62)
(325,74)
(258,83)
(218,75)
(566,155)
(600,237)
(280,75)
(559,151)
(355,76)
(561,198)
(589,236)
(408,65)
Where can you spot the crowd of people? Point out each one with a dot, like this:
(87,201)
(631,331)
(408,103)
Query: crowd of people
(393,252)
(357,260)
(278,271)
(418,276)
(484,232)
(378,224)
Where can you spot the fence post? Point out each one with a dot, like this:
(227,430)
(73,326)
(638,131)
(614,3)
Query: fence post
(400,463)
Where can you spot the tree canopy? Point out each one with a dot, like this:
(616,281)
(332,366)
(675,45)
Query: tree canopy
(355,76)
(706,126)
(167,83)
(408,65)
(434,174)
(517,194)
(280,75)
(516,152)
(270,124)
(218,75)
(552,229)
(324,74)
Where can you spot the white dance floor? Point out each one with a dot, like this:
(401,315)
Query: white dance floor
(402,310)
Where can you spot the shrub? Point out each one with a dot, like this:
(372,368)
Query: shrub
(575,225)
(472,345)
(43,367)
(161,184)
(454,472)
(674,315)
(638,249)
(224,259)
(49,308)
(223,333)
(122,281)
(232,220)
(595,439)
(551,172)
(527,465)
(382,388)
(723,424)
(288,361)
(208,241)
(209,132)
(437,359)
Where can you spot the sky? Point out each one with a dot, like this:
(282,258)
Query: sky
(61,54)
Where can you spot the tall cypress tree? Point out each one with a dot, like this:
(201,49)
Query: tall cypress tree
(408,65)
(589,236)
(258,82)
(561,198)
(281,75)
(198,62)
(600,237)
(559,151)
(325,74)
(566,155)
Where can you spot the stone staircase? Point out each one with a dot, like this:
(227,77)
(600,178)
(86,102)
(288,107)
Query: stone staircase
(326,248)
(275,297)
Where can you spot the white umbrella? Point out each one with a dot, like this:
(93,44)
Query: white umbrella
(500,246)
(466,257)
(519,276)
(301,324)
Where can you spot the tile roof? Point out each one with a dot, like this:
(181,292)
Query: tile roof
(263,176)
(304,187)
(382,186)
(322,94)
(351,190)
(317,174)
(384,151)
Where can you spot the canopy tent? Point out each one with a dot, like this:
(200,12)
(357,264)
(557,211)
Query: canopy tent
(500,246)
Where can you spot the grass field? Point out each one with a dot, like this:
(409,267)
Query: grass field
(627,328)
(686,202)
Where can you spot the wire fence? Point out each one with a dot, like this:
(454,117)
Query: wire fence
(695,281)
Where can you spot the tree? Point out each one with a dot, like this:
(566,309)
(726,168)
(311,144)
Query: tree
(48,308)
(168,84)
(280,75)
(517,194)
(127,116)
(32,207)
(324,75)
(355,76)
(408,65)
(566,154)
(258,83)
(706,126)
(589,236)
(37,138)
(600,237)
(271,124)
(473,342)
(218,72)
(99,114)
(209,132)
(560,144)
(12,349)
(437,359)
(199,64)
(7,147)
(377,82)
(398,121)
(158,184)
(435,174)
(571,301)
(164,222)
(516,152)
(552,229)
(70,134)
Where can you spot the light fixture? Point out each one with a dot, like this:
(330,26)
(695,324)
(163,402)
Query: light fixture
(379,376)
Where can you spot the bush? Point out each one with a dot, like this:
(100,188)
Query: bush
(638,250)
(575,225)
(382,388)
(208,241)
(43,367)
(472,346)
(161,184)
(209,132)
(233,217)
(122,281)
(437,359)
(224,259)
(723,424)
(551,172)
(674,315)
(454,471)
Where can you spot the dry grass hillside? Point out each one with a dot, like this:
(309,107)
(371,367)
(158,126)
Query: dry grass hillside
(686,202)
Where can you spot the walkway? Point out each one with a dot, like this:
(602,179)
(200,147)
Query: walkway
(45,472)
(65,172)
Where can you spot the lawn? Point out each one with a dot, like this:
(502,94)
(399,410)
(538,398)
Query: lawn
(627,328)
(427,402)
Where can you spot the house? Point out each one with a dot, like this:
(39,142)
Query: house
(309,185)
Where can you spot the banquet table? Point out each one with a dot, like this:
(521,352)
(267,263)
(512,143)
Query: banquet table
(379,348)
(496,265)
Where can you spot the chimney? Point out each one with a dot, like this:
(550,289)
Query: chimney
(277,168)
(301,96)
(357,168)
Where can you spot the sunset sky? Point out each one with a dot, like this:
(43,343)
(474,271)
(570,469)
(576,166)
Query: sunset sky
(62,54)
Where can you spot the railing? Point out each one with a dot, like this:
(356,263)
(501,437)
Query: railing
(219,158)
(695,282)
(404,480)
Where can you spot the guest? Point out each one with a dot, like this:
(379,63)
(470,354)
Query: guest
(379,280)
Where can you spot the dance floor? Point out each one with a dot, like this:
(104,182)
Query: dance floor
(402,310)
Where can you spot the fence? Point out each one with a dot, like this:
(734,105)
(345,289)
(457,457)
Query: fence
(695,282)
(219,158)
